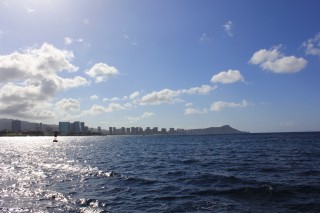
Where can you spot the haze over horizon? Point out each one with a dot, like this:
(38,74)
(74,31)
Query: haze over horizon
(253,65)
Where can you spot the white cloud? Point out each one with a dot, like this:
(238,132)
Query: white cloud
(115,99)
(134,95)
(276,62)
(228,27)
(29,9)
(163,96)
(220,105)
(68,104)
(143,116)
(114,107)
(227,77)
(96,110)
(312,45)
(68,40)
(191,111)
(128,105)
(147,114)
(172,96)
(188,104)
(203,90)
(30,79)
(132,119)
(102,72)
(94,97)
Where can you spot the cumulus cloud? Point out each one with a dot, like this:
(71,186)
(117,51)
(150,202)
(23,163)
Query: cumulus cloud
(312,45)
(172,96)
(102,72)
(98,109)
(227,77)
(203,90)
(134,95)
(162,96)
(274,61)
(147,114)
(191,111)
(220,105)
(228,27)
(114,107)
(95,110)
(31,78)
(68,104)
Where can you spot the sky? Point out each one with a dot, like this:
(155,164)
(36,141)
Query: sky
(253,65)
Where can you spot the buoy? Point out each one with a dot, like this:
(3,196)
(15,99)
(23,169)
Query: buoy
(55,137)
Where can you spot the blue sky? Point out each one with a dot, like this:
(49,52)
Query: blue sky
(254,65)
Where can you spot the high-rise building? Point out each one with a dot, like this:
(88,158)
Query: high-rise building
(64,128)
(16,125)
(76,127)
(99,130)
(110,130)
(82,127)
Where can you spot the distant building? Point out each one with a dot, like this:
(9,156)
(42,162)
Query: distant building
(155,130)
(86,130)
(133,131)
(110,130)
(71,128)
(40,127)
(180,131)
(64,127)
(171,131)
(148,131)
(16,126)
(76,127)
(99,130)
(82,127)
(163,131)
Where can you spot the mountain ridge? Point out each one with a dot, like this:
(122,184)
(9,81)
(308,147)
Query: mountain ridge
(225,129)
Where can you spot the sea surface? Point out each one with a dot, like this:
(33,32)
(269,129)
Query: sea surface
(188,173)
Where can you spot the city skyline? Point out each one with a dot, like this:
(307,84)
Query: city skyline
(253,65)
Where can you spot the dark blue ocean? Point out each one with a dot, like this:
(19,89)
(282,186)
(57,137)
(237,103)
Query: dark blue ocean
(189,173)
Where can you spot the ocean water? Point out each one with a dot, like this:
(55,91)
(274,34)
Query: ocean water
(200,173)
